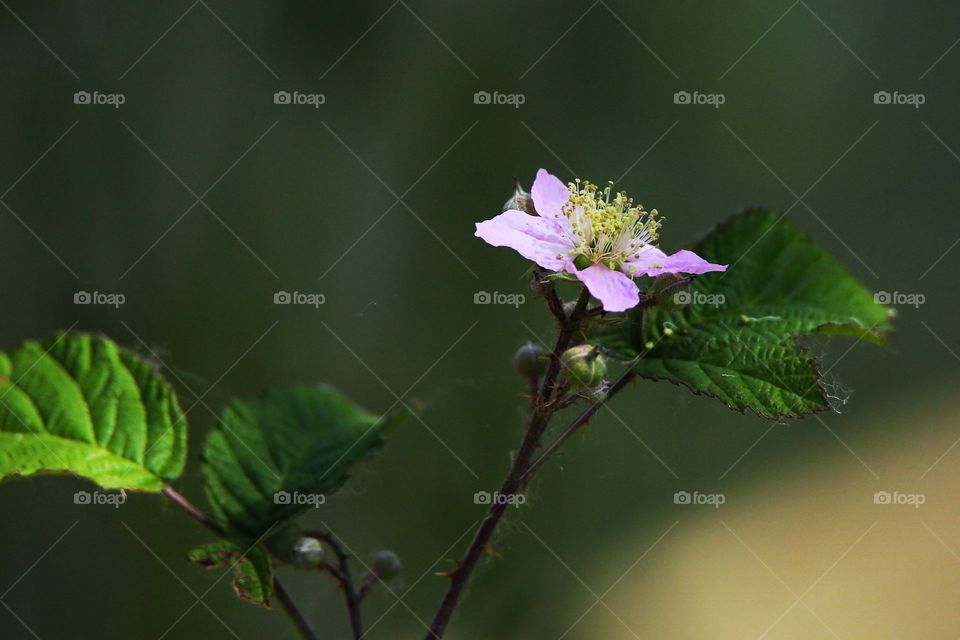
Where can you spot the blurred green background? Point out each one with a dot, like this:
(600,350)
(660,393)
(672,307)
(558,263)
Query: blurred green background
(305,199)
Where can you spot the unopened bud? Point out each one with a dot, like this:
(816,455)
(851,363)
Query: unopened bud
(386,565)
(670,291)
(531,360)
(584,366)
(520,200)
(307,553)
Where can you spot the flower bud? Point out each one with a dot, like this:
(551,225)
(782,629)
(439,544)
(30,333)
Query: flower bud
(670,291)
(520,200)
(584,366)
(307,553)
(386,565)
(530,360)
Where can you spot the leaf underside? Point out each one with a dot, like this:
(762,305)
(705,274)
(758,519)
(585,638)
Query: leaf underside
(252,573)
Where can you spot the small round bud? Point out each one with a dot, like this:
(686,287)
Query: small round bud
(670,291)
(386,565)
(530,360)
(584,366)
(307,553)
(520,200)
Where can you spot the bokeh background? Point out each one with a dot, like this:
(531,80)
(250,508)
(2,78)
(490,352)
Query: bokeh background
(199,198)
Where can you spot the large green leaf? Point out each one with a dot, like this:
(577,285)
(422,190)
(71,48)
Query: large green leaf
(77,403)
(736,338)
(252,573)
(274,457)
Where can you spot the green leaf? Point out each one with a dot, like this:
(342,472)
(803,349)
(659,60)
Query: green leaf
(252,573)
(737,338)
(77,403)
(279,455)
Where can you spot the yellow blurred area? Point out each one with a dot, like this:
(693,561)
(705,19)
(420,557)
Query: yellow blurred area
(809,554)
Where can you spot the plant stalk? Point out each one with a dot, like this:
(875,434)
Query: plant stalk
(537,424)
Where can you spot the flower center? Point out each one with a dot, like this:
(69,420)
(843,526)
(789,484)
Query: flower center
(608,228)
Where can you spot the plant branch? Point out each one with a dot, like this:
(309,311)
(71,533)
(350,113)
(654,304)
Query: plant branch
(543,410)
(342,573)
(306,632)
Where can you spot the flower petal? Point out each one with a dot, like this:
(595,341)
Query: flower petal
(549,195)
(614,289)
(537,239)
(651,261)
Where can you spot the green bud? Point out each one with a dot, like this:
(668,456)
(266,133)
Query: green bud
(520,200)
(530,360)
(386,565)
(584,366)
(307,553)
(670,291)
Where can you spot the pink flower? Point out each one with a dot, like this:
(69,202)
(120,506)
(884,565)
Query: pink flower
(604,242)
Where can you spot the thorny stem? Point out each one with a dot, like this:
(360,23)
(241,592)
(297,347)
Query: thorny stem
(543,410)
(303,627)
(342,574)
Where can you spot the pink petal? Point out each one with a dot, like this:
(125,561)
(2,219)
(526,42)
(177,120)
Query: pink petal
(549,195)
(614,289)
(652,261)
(537,239)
